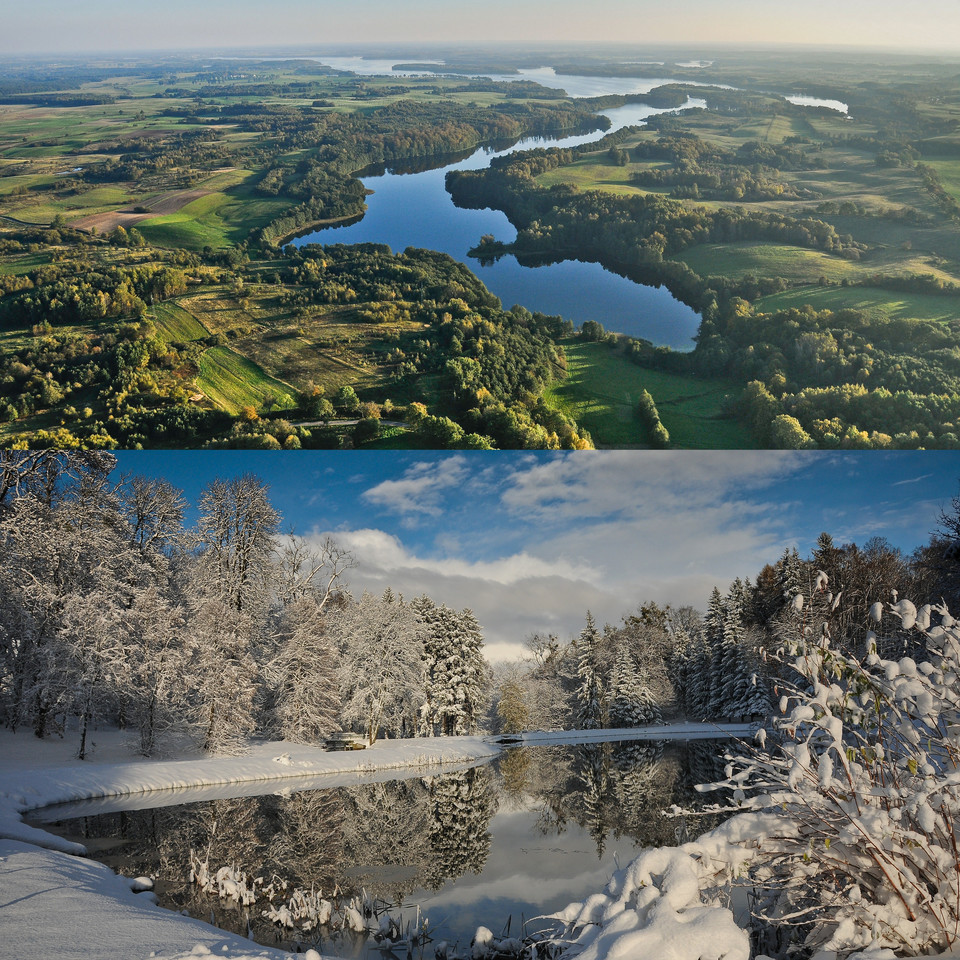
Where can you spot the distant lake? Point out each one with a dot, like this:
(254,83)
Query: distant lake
(837,105)
(410,207)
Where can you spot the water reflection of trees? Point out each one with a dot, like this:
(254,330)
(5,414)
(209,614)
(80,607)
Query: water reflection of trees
(619,787)
(387,839)
(392,839)
(461,806)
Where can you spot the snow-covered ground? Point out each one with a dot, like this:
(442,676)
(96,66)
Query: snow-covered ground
(55,905)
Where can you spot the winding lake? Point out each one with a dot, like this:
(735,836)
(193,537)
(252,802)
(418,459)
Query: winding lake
(490,845)
(413,209)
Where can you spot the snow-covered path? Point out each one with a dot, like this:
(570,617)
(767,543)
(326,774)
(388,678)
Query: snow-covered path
(55,905)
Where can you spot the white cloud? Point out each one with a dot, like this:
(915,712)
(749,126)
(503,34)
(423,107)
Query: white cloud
(621,483)
(421,487)
(531,543)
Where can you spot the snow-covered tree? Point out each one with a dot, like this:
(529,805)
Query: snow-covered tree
(224,674)
(236,542)
(154,510)
(303,675)
(852,830)
(381,644)
(300,667)
(512,711)
(713,634)
(455,670)
(549,683)
(69,579)
(590,701)
(158,688)
(630,702)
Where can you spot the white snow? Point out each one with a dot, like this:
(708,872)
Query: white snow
(57,906)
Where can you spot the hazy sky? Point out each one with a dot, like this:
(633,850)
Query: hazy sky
(532,541)
(78,25)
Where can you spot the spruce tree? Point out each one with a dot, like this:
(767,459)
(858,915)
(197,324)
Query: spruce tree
(454,669)
(590,706)
(712,695)
(624,699)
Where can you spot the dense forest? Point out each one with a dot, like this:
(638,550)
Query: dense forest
(427,320)
(115,611)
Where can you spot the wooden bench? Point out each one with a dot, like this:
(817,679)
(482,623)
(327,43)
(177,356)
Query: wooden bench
(345,741)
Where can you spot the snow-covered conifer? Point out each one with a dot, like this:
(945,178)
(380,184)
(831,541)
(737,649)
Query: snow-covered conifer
(455,669)
(590,701)
(630,702)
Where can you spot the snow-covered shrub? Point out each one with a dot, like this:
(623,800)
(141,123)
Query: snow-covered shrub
(655,907)
(853,840)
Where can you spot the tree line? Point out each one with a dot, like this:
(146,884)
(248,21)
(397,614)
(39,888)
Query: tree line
(115,611)
(661,662)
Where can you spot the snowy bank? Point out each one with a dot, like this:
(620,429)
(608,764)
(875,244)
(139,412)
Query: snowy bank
(56,906)
(115,772)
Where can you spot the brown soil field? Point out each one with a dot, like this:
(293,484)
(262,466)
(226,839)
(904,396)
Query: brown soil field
(127,217)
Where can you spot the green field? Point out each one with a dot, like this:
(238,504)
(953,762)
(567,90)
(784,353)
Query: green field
(594,172)
(233,382)
(602,389)
(766,260)
(949,172)
(174,324)
(217,220)
(886,303)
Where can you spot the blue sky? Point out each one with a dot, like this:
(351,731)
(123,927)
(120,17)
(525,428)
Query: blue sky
(531,541)
(69,25)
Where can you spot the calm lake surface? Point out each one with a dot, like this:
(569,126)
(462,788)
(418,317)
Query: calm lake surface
(413,209)
(489,845)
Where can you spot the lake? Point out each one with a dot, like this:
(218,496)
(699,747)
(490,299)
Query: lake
(493,845)
(410,207)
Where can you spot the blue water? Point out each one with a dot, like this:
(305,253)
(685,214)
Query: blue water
(415,210)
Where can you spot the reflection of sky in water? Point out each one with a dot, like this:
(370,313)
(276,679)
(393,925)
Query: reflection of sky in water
(529,867)
(575,86)
(526,875)
(372,67)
